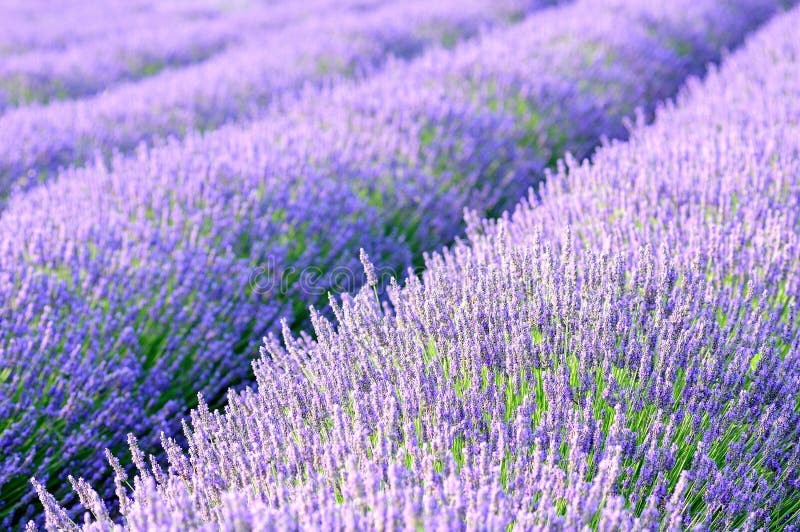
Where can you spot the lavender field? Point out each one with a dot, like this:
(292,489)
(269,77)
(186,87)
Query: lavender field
(399,265)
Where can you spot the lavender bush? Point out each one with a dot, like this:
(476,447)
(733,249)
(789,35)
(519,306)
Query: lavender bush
(134,291)
(622,353)
(234,85)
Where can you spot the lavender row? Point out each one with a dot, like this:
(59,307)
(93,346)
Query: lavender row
(232,86)
(87,67)
(27,26)
(30,26)
(623,353)
(148,281)
(139,281)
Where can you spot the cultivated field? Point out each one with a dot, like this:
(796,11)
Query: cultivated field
(399,265)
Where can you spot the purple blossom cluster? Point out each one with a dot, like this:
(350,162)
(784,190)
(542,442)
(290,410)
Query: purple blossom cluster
(132,293)
(620,353)
(234,85)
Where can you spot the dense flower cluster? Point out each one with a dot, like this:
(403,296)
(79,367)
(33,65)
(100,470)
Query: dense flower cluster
(623,352)
(134,291)
(235,84)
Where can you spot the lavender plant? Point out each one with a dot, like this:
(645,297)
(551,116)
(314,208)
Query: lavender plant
(232,86)
(134,290)
(623,352)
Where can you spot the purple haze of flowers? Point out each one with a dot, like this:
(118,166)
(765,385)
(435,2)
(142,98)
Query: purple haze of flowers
(28,25)
(86,67)
(236,84)
(131,293)
(622,353)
